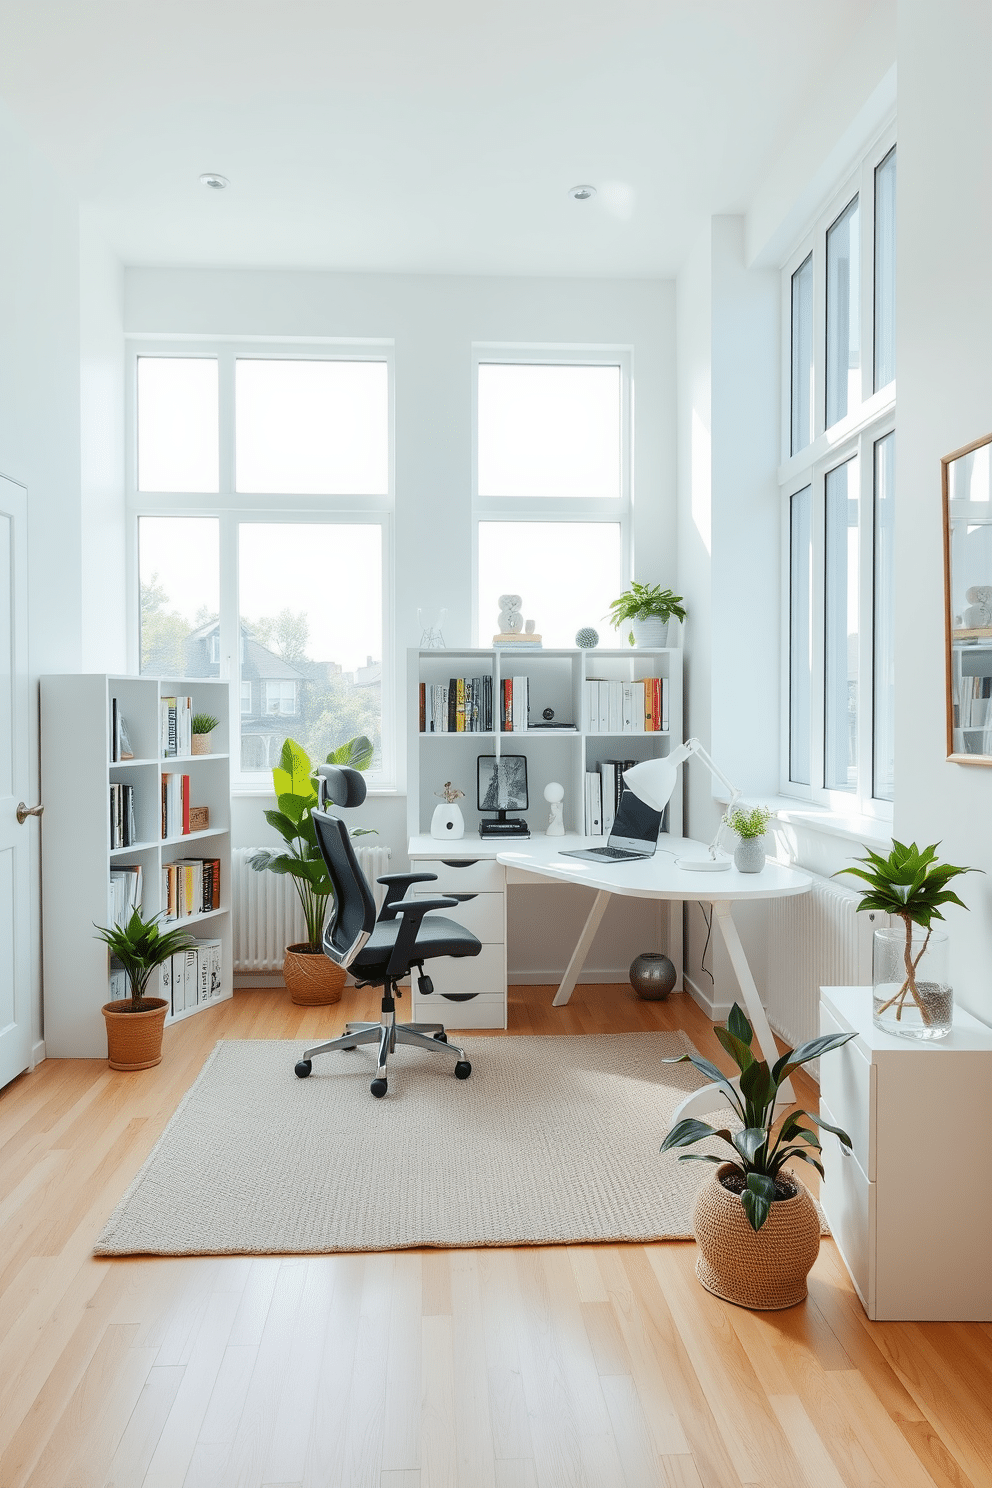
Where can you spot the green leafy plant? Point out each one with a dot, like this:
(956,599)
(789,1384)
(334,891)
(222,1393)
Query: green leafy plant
(913,885)
(644,602)
(140,946)
(764,1146)
(204,723)
(748,821)
(296,796)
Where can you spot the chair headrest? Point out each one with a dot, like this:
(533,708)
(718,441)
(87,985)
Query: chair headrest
(341,784)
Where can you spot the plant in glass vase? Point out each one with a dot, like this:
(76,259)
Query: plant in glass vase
(912,993)
(311,977)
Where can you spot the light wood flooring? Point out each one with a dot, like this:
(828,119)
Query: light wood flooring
(604,1366)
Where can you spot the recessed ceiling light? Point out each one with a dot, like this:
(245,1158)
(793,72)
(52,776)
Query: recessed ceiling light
(582,193)
(213,182)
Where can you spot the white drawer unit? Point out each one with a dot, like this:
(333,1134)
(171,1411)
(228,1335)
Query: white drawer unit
(909,1208)
(468,871)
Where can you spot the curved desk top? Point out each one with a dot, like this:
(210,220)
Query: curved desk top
(650,878)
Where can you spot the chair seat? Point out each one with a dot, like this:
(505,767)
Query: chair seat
(437,936)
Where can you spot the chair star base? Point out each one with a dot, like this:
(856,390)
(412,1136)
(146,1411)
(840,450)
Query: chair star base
(387,1033)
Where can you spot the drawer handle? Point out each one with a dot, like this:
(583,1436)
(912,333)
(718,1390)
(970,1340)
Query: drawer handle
(459,862)
(463,898)
(459,996)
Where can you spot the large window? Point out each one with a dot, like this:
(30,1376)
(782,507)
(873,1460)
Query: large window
(838,486)
(552,489)
(262,495)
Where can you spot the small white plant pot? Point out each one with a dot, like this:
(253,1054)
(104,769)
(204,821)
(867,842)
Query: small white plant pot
(749,855)
(447,821)
(651,633)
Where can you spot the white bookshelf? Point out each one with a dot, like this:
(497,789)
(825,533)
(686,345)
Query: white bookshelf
(556,681)
(471,993)
(77,772)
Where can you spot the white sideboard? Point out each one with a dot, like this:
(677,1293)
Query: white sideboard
(910,1207)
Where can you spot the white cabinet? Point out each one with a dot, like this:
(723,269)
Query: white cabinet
(909,1207)
(558,680)
(77,771)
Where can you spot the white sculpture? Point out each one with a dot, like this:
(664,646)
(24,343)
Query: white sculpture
(554,794)
(511,622)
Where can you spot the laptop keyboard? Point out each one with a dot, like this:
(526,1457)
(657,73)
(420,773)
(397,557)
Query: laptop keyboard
(615,852)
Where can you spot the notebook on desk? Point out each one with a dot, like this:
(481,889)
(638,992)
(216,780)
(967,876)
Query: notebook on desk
(634,834)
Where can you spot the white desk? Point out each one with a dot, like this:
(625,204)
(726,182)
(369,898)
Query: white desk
(651,878)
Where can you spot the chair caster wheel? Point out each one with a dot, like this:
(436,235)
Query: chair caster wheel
(303,1068)
(442,1038)
(462,1069)
(378,1088)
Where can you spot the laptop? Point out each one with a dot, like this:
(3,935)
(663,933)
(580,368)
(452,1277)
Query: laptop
(634,834)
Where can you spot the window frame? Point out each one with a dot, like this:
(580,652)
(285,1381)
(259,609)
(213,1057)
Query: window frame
(231,508)
(855,434)
(562,509)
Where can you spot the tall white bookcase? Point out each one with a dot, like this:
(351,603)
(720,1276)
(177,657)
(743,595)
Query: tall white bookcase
(76,774)
(556,681)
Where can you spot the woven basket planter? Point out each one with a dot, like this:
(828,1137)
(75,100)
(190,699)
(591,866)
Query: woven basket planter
(200,744)
(134,1040)
(765,1270)
(313,980)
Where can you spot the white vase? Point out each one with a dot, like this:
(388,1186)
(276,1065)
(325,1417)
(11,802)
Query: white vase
(651,633)
(447,821)
(749,855)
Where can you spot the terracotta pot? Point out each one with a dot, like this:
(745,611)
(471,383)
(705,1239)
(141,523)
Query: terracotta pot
(313,980)
(766,1270)
(134,1040)
(201,744)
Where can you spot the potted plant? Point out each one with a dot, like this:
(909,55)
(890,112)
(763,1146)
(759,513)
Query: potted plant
(756,1225)
(648,608)
(135,1024)
(203,726)
(313,980)
(749,822)
(912,992)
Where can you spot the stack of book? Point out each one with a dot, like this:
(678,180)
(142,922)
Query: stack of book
(122,830)
(462,705)
(175,805)
(176,727)
(613,707)
(604,787)
(192,977)
(125,894)
(514,704)
(190,886)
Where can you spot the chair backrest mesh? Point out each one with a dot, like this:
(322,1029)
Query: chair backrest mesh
(353,912)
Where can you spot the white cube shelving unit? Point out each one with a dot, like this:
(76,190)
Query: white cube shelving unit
(76,775)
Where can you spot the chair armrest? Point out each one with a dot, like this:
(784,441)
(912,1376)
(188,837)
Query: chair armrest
(396,886)
(412,912)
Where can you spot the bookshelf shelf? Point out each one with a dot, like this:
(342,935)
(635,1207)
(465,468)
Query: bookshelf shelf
(77,856)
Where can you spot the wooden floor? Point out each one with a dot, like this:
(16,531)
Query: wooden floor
(606,1366)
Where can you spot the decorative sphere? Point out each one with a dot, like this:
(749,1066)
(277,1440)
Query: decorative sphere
(553,791)
(587,637)
(652,976)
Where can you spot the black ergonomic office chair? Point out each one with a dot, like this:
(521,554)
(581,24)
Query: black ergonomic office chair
(380,951)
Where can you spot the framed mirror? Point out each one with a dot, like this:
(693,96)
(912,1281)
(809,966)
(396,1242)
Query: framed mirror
(966,479)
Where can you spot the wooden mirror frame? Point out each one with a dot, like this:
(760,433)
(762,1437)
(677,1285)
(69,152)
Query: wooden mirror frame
(958,757)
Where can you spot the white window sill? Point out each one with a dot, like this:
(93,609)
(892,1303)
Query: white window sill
(871,831)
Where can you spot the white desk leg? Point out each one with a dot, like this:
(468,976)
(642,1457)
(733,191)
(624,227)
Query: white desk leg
(575,965)
(710,1098)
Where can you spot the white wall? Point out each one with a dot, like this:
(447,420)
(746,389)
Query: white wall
(944,331)
(433,323)
(39,424)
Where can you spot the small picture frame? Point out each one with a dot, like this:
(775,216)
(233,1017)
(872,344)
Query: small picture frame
(502,782)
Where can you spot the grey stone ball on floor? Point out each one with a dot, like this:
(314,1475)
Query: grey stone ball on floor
(652,976)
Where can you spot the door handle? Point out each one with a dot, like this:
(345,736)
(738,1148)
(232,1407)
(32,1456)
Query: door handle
(23,812)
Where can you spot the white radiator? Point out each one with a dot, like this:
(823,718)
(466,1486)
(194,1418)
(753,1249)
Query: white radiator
(815,940)
(267,913)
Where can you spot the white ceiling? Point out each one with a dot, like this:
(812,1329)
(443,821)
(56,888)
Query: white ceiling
(434,137)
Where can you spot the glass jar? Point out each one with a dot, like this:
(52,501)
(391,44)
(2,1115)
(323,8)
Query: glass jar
(916,1000)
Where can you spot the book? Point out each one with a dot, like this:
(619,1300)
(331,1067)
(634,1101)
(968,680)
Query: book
(191,977)
(208,986)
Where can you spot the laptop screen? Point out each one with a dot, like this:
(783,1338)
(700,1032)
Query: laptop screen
(635,820)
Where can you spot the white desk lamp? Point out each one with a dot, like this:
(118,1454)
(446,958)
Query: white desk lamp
(653,782)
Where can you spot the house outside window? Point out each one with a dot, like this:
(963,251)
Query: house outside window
(280,698)
(245,698)
(838,488)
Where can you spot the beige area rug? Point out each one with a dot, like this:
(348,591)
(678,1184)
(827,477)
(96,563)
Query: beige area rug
(552,1140)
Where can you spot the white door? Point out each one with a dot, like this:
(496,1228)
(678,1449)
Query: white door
(15,836)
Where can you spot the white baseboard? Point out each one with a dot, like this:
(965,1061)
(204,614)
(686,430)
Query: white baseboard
(552,978)
(38,1054)
(716,1011)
